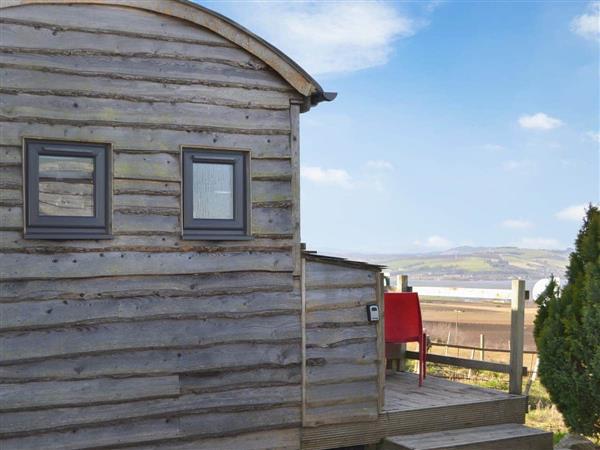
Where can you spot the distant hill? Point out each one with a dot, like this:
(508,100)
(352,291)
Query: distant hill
(474,263)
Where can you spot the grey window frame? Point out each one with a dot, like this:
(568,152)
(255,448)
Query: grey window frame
(67,227)
(237,228)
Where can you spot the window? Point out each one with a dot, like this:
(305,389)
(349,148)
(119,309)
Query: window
(67,190)
(215,194)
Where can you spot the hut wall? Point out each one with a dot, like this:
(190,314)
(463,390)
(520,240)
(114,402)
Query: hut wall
(147,339)
(343,368)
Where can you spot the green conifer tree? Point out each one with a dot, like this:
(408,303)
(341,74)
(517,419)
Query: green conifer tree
(567,333)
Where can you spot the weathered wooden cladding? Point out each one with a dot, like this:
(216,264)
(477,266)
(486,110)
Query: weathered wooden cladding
(110,19)
(163,285)
(56,40)
(51,313)
(143,114)
(147,339)
(100,390)
(132,137)
(212,360)
(84,265)
(341,345)
(37,80)
(69,417)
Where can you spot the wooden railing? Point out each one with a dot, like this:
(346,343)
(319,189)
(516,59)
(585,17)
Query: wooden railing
(514,368)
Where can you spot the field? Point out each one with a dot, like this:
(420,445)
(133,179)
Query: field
(464,321)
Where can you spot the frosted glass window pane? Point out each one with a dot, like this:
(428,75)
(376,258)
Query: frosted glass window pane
(212,187)
(66,186)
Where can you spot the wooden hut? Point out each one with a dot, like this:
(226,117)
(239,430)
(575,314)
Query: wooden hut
(154,291)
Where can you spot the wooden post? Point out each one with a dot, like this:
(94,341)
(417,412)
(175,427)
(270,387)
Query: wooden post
(380,290)
(402,286)
(472,357)
(517,324)
(482,345)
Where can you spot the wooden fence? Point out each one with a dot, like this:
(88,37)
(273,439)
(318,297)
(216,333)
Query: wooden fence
(515,369)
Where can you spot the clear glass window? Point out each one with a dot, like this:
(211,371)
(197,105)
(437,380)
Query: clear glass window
(66,186)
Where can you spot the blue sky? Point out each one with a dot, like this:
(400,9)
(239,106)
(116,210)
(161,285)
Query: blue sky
(457,123)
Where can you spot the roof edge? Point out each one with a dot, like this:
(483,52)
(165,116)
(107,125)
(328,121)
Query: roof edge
(189,11)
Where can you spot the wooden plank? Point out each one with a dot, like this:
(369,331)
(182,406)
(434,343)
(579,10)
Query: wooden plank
(334,373)
(323,299)
(101,390)
(51,313)
(272,221)
(136,263)
(271,169)
(146,201)
(351,315)
(331,276)
(281,439)
(271,191)
(116,20)
(359,353)
(460,292)
(10,155)
(517,330)
(329,337)
(303,335)
(494,437)
(158,140)
(145,187)
(125,111)
(121,336)
(134,286)
(124,223)
(342,413)
(31,36)
(254,378)
(73,84)
(380,342)
(157,167)
(107,436)
(295,184)
(216,359)
(11,177)
(11,197)
(464,362)
(230,423)
(341,393)
(13,241)
(150,69)
(11,217)
(71,417)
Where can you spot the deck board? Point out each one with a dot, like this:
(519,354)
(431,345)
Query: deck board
(402,393)
(408,409)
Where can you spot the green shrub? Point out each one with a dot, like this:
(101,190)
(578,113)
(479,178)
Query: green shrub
(567,333)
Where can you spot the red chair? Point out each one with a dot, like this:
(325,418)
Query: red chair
(403,323)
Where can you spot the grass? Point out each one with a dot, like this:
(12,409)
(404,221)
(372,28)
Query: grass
(542,413)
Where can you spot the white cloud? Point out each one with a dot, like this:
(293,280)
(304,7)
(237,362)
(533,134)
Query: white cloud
(539,243)
(331,37)
(517,224)
(575,213)
(435,242)
(588,25)
(539,121)
(523,166)
(327,177)
(379,164)
(493,147)
(594,136)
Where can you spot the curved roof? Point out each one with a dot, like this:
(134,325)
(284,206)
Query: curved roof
(186,10)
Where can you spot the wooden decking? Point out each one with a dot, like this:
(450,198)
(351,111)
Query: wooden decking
(438,405)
